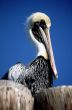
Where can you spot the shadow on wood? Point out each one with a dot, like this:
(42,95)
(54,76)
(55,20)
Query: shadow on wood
(56,98)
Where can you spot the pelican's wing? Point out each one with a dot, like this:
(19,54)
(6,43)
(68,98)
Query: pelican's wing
(15,71)
(37,76)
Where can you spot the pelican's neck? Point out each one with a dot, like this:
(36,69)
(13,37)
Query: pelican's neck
(41,48)
(42,51)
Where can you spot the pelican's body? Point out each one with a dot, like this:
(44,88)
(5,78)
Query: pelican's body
(39,73)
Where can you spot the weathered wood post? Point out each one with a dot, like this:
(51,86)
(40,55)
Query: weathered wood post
(14,96)
(55,98)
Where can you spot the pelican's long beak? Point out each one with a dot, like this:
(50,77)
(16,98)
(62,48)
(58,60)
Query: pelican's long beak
(46,37)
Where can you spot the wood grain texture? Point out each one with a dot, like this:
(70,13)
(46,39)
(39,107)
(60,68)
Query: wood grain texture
(15,96)
(56,98)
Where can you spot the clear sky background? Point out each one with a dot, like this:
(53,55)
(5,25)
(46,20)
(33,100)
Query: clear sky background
(16,46)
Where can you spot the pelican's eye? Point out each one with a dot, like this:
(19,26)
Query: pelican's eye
(43,24)
(36,24)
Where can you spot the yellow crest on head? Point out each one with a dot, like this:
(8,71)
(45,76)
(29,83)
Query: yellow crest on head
(37,17)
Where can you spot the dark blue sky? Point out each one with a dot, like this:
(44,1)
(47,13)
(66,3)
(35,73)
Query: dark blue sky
(16,46)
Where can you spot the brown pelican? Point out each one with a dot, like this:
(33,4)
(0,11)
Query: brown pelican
(39,73)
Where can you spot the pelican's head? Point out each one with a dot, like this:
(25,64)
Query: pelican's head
(39,25)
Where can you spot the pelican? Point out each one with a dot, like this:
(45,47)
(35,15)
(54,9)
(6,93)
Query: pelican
(39,73)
